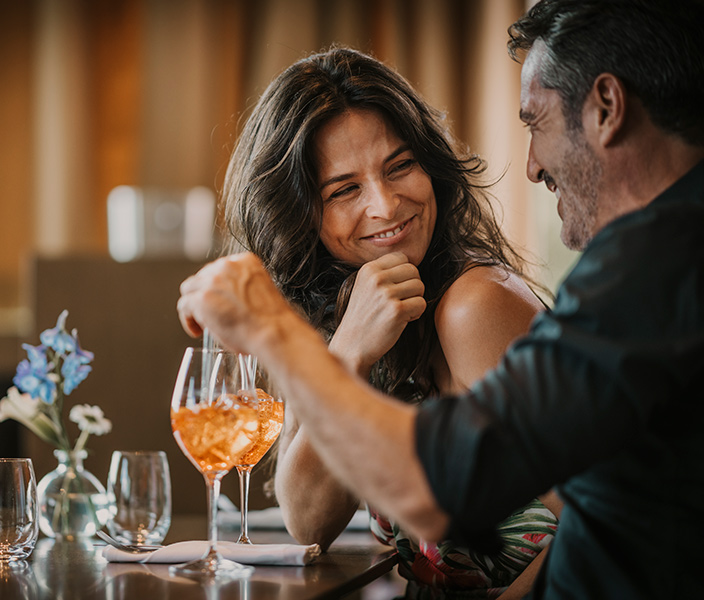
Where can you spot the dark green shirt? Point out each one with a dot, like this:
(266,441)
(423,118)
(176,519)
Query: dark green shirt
(605,400)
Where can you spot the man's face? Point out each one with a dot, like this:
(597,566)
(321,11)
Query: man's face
(560,156)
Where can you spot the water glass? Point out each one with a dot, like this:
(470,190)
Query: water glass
(18,509)
(139,490)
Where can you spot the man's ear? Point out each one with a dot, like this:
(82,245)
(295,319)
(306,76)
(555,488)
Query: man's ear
(605,109)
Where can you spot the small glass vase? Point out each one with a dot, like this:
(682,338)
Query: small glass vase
(72,502)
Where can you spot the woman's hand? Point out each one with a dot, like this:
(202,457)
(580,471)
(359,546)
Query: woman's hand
(387,294)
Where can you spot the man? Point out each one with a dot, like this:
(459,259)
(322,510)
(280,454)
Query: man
(604,398)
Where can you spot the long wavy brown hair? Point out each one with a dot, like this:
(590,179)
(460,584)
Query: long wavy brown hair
(273,206)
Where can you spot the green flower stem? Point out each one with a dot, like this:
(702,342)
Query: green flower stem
(81,441)
(61,511)
(60,518)
(93,512)
(55,415)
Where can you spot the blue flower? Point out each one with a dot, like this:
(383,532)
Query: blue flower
(37,357)
(51,371)
(34,376)
(58,339)
(74,370)
(85,356)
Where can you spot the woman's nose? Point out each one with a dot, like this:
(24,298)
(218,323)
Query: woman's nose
(382,201)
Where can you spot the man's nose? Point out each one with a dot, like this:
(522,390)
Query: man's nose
(533,169)
(382,201)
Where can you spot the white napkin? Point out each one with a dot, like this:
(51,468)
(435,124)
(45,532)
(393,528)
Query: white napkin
(254,554)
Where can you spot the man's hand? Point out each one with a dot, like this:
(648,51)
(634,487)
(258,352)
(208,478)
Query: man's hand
(235,299)
(387,295)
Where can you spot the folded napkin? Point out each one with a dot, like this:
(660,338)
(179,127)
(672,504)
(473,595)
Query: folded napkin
(254,554)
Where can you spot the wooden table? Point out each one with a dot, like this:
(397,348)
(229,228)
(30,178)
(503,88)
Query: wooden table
(77,571)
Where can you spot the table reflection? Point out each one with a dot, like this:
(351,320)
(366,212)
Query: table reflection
(17,580)
(68,569)
(76,570)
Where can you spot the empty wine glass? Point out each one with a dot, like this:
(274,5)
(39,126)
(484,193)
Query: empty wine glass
(18,509)
(139,489)
(215,422)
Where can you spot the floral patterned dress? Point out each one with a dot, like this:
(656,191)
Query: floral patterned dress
(446,571)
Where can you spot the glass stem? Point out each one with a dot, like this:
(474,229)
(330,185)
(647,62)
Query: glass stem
(212,481)
(244,589)
(244,472)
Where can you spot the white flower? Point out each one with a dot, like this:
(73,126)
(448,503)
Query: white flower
(21,407)
(90,419)
(27,410)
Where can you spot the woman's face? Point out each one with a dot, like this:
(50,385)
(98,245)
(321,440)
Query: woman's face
(376,197)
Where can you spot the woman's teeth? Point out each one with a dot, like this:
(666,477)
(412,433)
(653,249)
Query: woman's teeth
(388,234)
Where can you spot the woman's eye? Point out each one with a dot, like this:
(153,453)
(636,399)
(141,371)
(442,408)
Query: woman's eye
(342,192)
(404,165)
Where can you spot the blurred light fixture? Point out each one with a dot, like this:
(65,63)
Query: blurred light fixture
(160,223)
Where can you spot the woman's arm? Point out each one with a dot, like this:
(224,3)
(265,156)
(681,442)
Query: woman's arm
(478,318)
(386,295)
(315,506)
(522,585)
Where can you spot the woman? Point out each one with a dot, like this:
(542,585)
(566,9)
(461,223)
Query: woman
(348,187)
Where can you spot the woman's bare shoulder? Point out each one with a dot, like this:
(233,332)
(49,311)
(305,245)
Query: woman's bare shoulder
(477,319)
(488,289)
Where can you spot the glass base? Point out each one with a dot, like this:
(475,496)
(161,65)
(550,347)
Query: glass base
(212,566)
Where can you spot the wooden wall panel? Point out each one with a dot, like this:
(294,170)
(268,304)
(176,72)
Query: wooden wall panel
(116,39)
(16,190)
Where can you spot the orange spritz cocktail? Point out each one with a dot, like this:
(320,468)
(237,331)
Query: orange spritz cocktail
(271,420)
(215,437)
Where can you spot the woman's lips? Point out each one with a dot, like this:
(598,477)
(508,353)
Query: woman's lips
(389,233)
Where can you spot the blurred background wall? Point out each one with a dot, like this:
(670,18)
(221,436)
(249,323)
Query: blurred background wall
(152,93)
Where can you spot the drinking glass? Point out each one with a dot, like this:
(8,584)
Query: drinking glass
(19,526)
(271,419)
(139,490)
(215,422)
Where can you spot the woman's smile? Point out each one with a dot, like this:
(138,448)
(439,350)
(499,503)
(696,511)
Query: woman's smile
(390,233)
